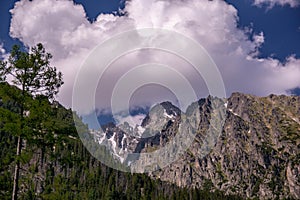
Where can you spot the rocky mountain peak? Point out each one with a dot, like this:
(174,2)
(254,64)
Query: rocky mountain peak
(255,155)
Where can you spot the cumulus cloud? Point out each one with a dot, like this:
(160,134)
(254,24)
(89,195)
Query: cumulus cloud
(271,3)
(63,28)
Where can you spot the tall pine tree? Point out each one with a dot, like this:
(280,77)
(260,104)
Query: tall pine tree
(32,73)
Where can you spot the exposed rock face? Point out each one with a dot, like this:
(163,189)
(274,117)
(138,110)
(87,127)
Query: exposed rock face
(257,153)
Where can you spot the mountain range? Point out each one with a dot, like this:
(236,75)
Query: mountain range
(236,148)
(254,154)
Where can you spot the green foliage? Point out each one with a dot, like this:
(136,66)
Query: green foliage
(31,71)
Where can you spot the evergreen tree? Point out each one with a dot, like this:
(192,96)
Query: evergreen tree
(32,73)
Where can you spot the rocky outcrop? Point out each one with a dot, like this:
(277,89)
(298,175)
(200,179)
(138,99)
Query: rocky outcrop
(253,152)
(257,154)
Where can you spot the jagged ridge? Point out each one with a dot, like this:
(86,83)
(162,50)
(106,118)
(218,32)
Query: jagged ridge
(257,154)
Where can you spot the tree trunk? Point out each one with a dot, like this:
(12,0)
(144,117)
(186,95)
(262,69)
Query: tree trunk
(17,169)
(19,147)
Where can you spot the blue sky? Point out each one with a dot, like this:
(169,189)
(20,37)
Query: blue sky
(251,44)
(281,26)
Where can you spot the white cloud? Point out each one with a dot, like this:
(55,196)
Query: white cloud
(271,3)
(64,29)
(259,39)
(2,50)
(131,120)
(3,54)
(65,32)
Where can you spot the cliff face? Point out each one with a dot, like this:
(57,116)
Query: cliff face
(256,154)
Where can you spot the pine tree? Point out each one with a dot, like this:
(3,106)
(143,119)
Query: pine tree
(32,73)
